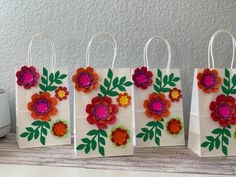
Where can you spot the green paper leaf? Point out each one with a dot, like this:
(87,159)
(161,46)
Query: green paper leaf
(234,79)
(164,90)
(176,79)
(233,91)
(165,79)
(44,81)
(227,132)
(172,84)
(85,140)
(145,138)
(115,82)
(101,150)
(210,138)
(113,93)
(122,80)
(158,82)
(159,73)
(36,134)
(42,87)
(226,82)
(224,90)
(57,74)
(52,88)
(216,131)
(30,137)
(100,95)
(225,140)
(151,135)
(205,144)
(37,123)
(45,72)
(171,76)
(224,150)
(47,125)
(140,135)
(158,131)
(217,143)
(80,147)
(211,147)
(23,135)
(110,74)
(156,88)
(51,77)
(29,129)
(58,81)
(63,76)
(87,149)
(128,83)
(151,124)
(103,89)
(121,88)
(94,145)
(160,125)
(227,73)
(102,140)
(92,132)
(103,132)
(44,131)
(106,83)
(145,130)
(43,140)
(157,141)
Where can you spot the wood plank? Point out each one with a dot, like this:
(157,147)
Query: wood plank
(162,159)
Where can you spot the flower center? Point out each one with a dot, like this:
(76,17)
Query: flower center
(157,106)
(225,111)
(101,112)
(85,80)
(28,77)
(175,94)
(209,80)
(42,106)
(124,100)
(61,93)
(141,78)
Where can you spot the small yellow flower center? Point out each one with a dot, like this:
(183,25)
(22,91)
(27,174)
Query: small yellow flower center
(61,93)
(124,100)
(175,94)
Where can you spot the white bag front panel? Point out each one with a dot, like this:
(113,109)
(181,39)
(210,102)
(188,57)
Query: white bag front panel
(197,134)
(124,118)
(24,119)
(141,119)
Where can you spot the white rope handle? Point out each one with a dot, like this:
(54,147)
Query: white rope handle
(107,34)
(145,51)
(30,62)
(210,46)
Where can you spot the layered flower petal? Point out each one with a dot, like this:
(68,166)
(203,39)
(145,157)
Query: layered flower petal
(123,100)
(61,93)
(175,95)
(142,78)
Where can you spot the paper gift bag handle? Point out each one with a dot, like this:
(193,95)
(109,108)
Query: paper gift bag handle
(145,51)
(210,50)
(107,34)
(30,62)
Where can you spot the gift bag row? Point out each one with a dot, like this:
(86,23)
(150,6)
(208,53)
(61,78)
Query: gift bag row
(117,108)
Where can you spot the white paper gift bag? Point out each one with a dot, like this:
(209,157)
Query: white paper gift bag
(212,128)
(158,104)
(42,103)
(102,109)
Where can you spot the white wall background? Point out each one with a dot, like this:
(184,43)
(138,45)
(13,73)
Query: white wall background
(186,24)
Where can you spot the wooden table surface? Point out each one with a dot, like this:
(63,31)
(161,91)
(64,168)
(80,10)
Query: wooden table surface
(162,159)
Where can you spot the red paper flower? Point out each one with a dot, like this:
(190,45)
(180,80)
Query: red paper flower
(157,106)
(209,81)
(142,78)
(123,100)
(120,136)
(174,126)
(61,93)
(101,112)
(175,95)
(59,129)
(223,110)
(42,106)
(27,77)
(85,79)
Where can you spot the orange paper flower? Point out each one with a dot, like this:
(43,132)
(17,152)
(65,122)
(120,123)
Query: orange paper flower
(120,136)
(209,81)
(85,79)
(61,93)
(42,106)
(157,106)
(59,129)
(175,95)
(123,100)
(174,126)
